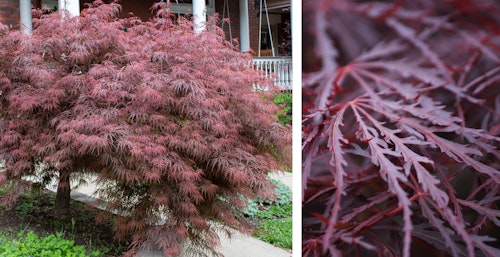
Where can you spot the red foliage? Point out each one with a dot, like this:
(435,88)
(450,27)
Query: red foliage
(169,120)
(401,115)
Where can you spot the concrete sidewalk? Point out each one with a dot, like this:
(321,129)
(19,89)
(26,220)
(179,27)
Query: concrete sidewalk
(239,245)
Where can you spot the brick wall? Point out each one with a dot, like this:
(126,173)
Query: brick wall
(254,25)
(9,13)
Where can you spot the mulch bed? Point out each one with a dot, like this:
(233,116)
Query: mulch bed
(35,214)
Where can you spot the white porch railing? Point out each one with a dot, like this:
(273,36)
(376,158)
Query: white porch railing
(279,69)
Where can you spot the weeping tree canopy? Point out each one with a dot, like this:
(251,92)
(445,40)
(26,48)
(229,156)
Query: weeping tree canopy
(168,118)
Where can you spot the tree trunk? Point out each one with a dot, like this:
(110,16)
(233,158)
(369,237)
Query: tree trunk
(61,209)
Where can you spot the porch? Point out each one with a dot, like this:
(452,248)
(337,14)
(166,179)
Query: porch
(257,24)
(279,69)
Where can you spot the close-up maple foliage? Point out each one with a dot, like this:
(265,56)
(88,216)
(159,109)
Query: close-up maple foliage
(168,119)
(401,125)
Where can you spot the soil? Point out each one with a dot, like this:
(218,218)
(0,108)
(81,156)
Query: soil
(34,213)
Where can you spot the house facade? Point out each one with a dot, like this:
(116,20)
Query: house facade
(246,22)
(262,27)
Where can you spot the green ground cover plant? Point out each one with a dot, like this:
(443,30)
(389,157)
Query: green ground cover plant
(277,232)
(30,244)
(30,222)
(273,217)
(284,100)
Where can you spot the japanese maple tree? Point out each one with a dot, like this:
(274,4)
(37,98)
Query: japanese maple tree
(401,125)
(168,119)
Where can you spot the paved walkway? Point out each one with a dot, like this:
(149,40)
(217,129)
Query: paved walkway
(239,245)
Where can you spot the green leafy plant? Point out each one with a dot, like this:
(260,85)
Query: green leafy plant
(277,232)
(283,193)
(26,207)
(73,222)
(275,211)
(28,203)
(272,216)
(30,244)
(284,99)
(252,208)
(81,228)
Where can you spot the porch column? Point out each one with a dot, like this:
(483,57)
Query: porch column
(244,27)
(25,14)
(199,15)
(72,6)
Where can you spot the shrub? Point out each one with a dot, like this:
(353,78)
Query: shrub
(166,117)
(401,128)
